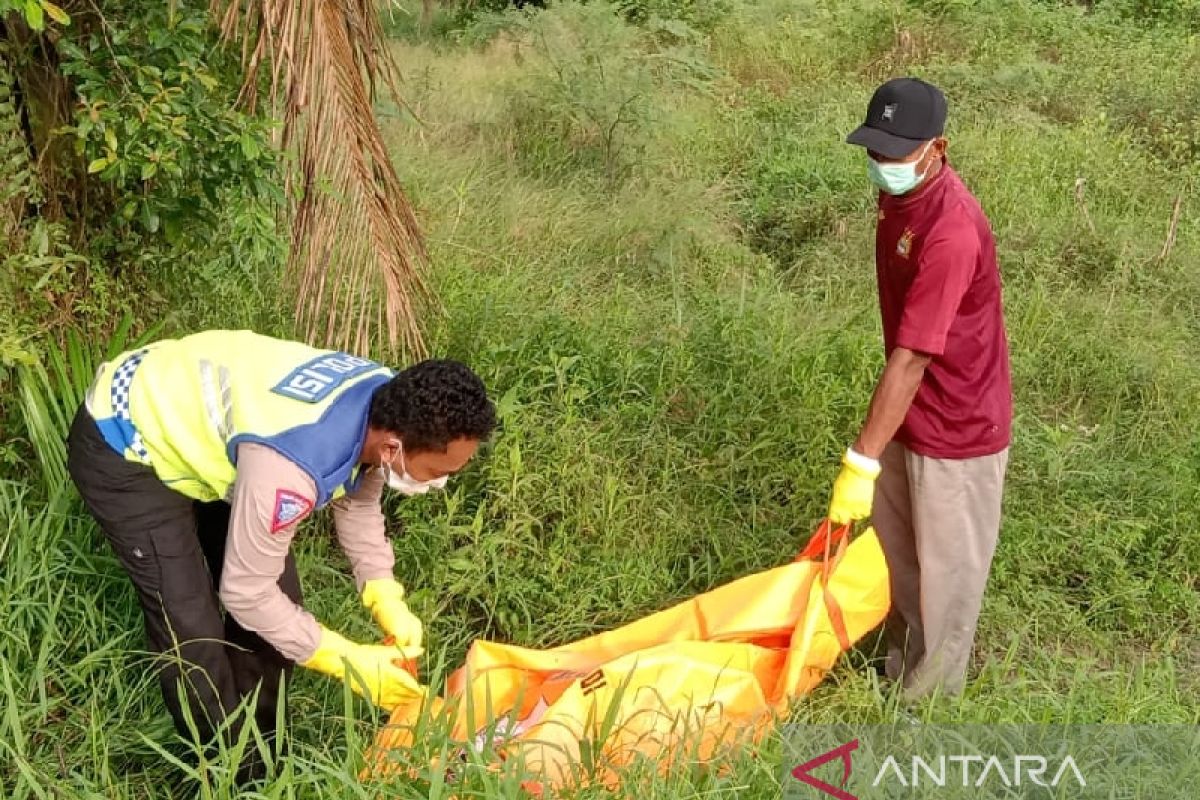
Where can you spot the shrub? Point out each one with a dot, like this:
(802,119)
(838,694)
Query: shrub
(584,96)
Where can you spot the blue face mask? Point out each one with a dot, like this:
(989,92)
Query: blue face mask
(897,178)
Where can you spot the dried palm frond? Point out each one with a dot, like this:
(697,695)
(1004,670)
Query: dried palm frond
(357,254)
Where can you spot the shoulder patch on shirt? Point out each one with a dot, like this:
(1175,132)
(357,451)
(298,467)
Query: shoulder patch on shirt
(290,508)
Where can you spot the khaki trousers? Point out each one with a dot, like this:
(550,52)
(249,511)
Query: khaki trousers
(938,521)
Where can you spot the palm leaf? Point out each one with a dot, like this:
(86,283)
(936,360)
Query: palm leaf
(357,253)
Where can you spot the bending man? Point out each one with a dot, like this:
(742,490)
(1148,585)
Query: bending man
(199,456)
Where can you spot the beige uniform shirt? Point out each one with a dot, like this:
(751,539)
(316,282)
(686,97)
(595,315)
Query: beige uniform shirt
(270,497)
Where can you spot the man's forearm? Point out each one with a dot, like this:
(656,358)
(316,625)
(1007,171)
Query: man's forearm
(361,531)
(890,403)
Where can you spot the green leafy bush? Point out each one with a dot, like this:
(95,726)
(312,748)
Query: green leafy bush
(699,14)
(129,180)
(1185,13)
(156,121)
(583,99)
(36,13)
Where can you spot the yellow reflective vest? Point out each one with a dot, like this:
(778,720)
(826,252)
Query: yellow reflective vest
(182,406)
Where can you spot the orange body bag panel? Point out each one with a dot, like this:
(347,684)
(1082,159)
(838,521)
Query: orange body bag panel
(705,674)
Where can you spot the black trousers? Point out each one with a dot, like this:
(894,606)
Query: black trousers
(173,549)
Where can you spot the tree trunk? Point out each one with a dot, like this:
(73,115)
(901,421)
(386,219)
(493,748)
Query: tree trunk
(18,183)
(41,97)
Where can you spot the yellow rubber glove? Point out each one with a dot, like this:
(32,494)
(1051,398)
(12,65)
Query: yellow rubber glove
(854,488)
(372,671)
(385,598)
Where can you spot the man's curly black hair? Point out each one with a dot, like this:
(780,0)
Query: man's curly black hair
(431,404)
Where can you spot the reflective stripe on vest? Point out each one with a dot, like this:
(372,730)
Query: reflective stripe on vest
(215,383)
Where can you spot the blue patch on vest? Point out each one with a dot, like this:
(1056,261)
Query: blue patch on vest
(312,381)
(328,449)
(117,432)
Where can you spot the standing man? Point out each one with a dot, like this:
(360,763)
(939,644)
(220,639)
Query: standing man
(934,448)
(199,456)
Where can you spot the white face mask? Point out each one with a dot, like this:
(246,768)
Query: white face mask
(897,179)
(406,484)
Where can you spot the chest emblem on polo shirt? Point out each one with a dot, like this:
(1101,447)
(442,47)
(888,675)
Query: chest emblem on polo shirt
(904,245)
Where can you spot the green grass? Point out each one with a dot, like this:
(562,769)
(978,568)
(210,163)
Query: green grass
(676,314)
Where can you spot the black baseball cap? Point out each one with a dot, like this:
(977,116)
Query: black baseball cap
(903,114)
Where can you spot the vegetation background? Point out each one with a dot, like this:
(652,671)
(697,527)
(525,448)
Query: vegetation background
(646,234)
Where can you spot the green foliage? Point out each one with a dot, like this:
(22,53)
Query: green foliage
(38,266)
(794,195)
(177,219)
(52,391)
(585,100)
(16,179)
(678,360)
(156,122)
(36,13)
(158,194)
(699,14)
(19,276)
(474,16)
(1185,13)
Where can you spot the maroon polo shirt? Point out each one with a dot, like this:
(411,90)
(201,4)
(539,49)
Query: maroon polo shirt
(939,294)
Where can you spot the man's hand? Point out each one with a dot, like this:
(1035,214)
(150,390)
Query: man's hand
(375,672)
(854,489)
(385,598)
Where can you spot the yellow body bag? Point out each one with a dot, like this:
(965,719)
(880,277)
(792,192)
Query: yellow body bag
(703,675)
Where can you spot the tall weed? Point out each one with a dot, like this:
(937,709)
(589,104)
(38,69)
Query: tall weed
(583,100)
(53,388)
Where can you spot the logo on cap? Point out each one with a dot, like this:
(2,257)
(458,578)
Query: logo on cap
(889,112)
